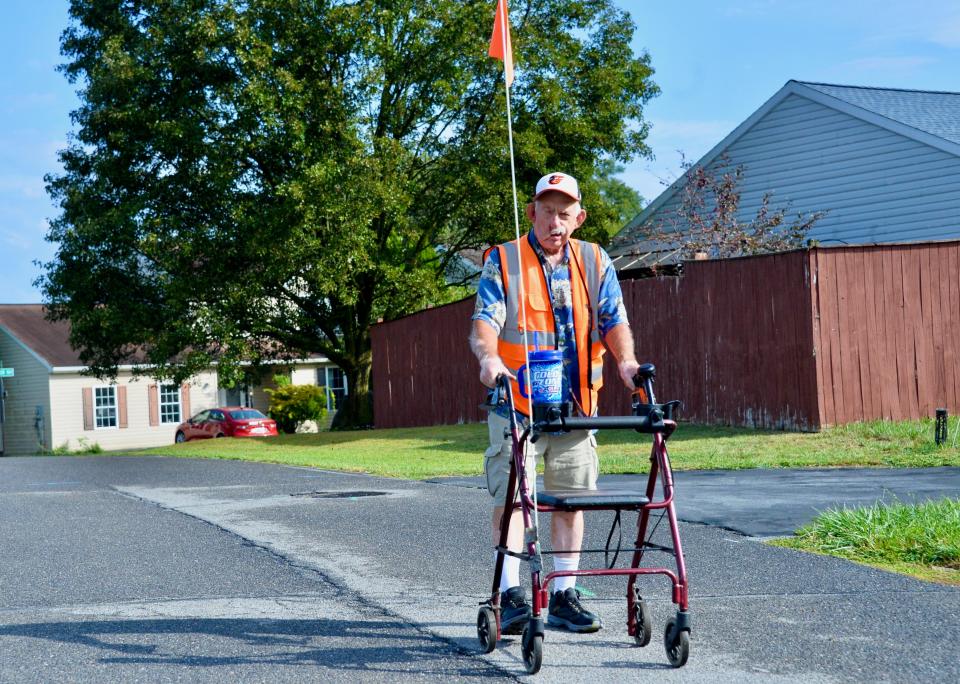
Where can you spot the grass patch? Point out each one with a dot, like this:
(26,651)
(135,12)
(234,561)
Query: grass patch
(878,444)
(922,540)
(410,453)
(419,453)
(84,446)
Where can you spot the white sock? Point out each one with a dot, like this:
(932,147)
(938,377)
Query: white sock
(560,564)
(510,575)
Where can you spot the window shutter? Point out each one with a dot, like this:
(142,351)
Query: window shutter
(87,408)
(122,405)
(185,401)
(153,402)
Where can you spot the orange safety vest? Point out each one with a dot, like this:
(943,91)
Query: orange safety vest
(585,278)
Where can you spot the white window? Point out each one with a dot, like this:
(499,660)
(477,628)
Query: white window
(105,407)
(336,383)
(169,404)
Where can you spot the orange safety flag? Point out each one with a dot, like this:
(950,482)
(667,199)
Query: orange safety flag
(500,46)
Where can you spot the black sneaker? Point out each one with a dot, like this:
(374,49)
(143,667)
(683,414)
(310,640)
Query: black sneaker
(514,611)
(566,611)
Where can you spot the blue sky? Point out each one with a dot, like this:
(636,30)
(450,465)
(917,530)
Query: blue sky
(716,63)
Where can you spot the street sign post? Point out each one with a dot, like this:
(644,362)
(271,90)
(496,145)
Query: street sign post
(4,373)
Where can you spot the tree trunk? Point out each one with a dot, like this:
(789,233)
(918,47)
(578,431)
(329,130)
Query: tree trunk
(357,409)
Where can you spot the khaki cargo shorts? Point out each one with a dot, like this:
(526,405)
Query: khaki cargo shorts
(569,459)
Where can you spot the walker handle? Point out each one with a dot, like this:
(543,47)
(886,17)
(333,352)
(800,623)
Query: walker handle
(639,423)
(643,381)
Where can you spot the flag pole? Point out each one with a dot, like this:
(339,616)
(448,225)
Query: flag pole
(507,52)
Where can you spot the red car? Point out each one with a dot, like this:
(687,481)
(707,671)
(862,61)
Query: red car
(227,421)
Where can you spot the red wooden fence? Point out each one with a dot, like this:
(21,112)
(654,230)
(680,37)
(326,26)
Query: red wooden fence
(887,331)
(732,339)
(797,340)
(423,370)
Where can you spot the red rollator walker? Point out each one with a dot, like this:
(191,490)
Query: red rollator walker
(648,417)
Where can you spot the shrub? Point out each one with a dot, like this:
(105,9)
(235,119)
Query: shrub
(291,405)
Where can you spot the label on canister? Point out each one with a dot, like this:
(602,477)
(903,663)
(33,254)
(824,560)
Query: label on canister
(546,376)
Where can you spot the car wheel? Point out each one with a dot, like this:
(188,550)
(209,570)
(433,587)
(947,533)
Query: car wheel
(180,438)
(220,434)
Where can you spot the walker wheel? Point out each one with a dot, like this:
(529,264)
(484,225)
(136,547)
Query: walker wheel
(643,624)
(678,650)
(487,629)
(532,650)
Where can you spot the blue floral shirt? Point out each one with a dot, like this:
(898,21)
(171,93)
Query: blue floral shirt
(491,304)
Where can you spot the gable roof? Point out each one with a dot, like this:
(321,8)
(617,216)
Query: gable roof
(936,113)
(46,340)
(929,117)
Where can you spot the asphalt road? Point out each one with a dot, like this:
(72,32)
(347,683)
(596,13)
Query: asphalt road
(775,502)
(152,569)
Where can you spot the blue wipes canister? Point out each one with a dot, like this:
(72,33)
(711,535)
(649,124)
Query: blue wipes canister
(546,377)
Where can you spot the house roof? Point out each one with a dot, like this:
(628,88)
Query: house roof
(937,113)
(47,340)
(929,117)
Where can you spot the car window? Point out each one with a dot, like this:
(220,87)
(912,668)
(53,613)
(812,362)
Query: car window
(216,415)
(246,414)
(200,417)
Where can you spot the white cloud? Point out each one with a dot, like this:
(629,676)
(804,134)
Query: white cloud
(18,240)
(888,64)
(690,129)
(675,140)
(31,187)
(28,150)
(672,142)
(947,33)
(644,180)
(19,102)
(754,8)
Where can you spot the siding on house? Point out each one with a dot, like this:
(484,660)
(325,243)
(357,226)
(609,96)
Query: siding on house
(49,376)
(26,391)
(306,374)
(876,185)
(860,154)
(66,411)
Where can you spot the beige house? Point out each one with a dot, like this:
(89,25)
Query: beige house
(47,403)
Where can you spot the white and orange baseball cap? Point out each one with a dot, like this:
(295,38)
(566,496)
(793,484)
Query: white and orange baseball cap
(558,182)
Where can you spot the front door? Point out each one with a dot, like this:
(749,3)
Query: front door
(236,396)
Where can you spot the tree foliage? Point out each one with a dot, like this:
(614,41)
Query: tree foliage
(709,217)
(624,202)
(257,179)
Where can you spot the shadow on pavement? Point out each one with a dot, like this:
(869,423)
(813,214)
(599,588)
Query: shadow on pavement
(261,642)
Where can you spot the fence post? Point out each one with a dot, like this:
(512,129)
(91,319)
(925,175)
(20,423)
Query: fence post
(940,427)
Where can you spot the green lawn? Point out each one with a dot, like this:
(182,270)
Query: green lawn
(418,453)
(921,540)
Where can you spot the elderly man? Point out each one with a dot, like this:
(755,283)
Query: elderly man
(572,300)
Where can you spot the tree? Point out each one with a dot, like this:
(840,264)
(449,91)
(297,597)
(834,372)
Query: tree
(708,220)
(262,179)
(624,201)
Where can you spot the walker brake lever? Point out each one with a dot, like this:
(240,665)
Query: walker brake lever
(496,395)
